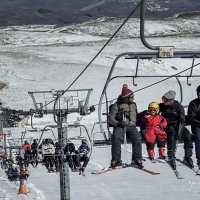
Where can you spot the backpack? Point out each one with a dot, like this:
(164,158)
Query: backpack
(119,115)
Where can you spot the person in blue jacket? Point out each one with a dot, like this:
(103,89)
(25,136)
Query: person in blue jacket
(83,151)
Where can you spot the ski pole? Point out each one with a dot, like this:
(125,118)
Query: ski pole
(180,127)
(125,142)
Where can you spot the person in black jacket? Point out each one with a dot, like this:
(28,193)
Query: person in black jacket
(123,118)
(34,148)
(194,121)
(174,113)
(58,161)
(72,156)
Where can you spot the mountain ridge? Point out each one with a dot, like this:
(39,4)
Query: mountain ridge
(49,12)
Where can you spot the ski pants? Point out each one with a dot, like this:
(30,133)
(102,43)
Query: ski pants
(85,159)
(73,161)
(186,136)
(118,138)
(152,145)
(48,160)
(196,132)
(58,161)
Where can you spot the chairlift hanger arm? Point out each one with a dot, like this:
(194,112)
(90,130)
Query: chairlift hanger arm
(191,71)
(142,19)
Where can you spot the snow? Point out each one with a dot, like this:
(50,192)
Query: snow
(41,58)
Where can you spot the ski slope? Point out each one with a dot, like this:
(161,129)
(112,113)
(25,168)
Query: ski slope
(42,58)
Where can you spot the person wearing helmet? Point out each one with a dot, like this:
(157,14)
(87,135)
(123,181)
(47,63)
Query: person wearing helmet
(174,113)
(152,126)
(194,121)
(122,117)
(83,151)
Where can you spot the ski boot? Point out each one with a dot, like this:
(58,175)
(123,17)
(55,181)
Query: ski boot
(81,171)
(137,164)
(187,159)
(75,169)
(171,159)
(189,162)
(151,154)
(115,164)
(161,152)
(49,169)
(52,169)
(57,169)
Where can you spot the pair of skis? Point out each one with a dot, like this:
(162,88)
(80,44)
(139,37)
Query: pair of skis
(104,170)
(178,175)
(194,170)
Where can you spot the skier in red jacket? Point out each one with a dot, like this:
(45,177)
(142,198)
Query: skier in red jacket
(152,127)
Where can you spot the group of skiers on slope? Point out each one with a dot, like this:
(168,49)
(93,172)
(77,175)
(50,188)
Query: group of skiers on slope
(54,155)
(164,122)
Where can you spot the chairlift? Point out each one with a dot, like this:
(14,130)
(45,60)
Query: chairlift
(100,142)
(80,137)
(158,52)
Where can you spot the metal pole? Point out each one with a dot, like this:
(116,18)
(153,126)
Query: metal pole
(64,171)
(4,137)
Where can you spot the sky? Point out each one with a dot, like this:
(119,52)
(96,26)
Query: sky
(41,58)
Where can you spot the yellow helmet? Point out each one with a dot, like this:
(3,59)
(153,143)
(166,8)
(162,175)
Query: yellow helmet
(154,105)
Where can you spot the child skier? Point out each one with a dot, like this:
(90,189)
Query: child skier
(152,127)
(84,150)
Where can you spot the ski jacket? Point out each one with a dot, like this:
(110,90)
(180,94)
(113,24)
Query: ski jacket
(174,113)
(58,151)
(129,109)
(34,145)
(152,127)
(48,149)
(194,112)
(69,148)
(84,149)
(26,146)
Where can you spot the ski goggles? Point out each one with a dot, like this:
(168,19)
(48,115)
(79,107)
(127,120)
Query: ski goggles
(164,100)
(152,109)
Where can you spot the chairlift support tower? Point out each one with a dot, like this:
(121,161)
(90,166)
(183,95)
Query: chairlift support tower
(60,117)
(3,136)
(155,53)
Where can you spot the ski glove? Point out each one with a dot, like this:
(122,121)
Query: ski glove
(122,124)
(160,126)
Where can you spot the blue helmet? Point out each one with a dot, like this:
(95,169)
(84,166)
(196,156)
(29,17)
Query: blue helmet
(84,141)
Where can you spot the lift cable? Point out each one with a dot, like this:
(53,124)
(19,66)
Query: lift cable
(94,56)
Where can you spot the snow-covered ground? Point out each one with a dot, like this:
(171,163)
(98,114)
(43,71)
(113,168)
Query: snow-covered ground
(41,58)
